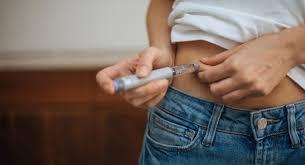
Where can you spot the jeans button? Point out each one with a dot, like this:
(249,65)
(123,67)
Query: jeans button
(262,123)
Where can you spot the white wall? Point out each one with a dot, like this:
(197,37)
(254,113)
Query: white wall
(69,24)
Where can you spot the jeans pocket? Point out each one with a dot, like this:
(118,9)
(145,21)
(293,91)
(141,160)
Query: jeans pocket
(168,132)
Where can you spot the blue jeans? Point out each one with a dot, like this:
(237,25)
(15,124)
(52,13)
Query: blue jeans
(183,129)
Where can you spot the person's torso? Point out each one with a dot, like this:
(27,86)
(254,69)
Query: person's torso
(227,23)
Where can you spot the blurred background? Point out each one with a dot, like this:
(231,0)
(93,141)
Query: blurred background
(51,110)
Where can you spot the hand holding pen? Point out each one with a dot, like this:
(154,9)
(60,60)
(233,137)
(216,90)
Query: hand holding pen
(144,96)
(133,81)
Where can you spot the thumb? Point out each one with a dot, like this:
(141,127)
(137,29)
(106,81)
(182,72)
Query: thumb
(147,59)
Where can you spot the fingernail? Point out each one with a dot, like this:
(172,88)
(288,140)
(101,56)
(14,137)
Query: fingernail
(142,71)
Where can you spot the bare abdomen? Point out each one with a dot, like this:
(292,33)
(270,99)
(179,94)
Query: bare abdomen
(190,52)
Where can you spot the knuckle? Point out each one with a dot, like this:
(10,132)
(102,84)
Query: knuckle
(246,79)
(199,75)
(260,88)
(264,91)
(256,86)
(234,65)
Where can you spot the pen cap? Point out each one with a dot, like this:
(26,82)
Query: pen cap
(118,85)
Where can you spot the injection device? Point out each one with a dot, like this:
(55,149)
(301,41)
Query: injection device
(132,81)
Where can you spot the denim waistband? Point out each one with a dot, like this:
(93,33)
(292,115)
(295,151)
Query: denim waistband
(277,120)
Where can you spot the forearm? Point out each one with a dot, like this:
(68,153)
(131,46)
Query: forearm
(157,27)
(294,40)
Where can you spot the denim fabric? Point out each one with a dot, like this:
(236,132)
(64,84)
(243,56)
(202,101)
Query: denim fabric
(183,129)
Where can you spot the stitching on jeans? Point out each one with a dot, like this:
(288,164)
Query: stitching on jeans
(185,148)
(196,125)
(283,131)
(170,113)
(201,125)
(235,108)
(158,122)
(233,133)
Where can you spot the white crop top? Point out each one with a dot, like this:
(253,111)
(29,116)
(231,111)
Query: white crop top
(228,23)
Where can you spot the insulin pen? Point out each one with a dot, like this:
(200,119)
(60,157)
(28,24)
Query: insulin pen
(132,81)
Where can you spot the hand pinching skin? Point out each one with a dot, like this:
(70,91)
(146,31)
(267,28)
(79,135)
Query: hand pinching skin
(251,69)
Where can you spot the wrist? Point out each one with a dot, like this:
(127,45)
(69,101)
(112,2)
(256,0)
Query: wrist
(289,41)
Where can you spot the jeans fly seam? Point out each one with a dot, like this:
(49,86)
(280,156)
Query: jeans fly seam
(213,124)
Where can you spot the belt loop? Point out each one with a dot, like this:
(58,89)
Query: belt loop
(213,122)
(295,140)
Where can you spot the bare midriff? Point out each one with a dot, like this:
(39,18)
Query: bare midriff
(190,52)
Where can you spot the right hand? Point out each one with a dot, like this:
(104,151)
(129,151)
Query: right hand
(142,64)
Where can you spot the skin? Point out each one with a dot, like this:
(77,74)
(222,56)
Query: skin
(160,54)
(252,69)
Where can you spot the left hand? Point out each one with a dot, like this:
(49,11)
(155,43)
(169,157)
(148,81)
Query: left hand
(251,69)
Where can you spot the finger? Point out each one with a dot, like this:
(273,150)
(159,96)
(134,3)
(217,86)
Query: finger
(201,76)
(203,67)
(215,73)
(154,101)
(225,86)
(236,95)
(105,82)
(219,58)
(146,60)
(214,60)
(104,77)
(139,101)
(150,88)
(122,68)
